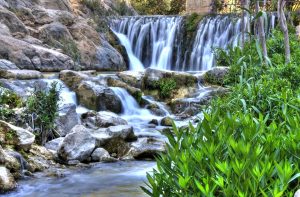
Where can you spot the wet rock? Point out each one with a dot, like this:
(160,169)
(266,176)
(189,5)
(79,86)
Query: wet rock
(20,74)
(39,159)
(117,147)
(54,144)
(67,119)
(182,79)
(16,136)
(7,181)
(166,121)
(122,131)
(72,78)
(216,75)
(155,109)
(146,148)
(297,194)
(33,57)
(9,161)
(77,145)
(102,155)
(102,119)
(5,64)
(98,97)
(154,121)
(132,78)
(135,92)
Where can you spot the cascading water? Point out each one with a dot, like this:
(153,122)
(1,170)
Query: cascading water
(213,32)
(153,39)
(158,42)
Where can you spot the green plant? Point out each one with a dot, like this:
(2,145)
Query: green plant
(192,22)
(43,106)
(70,48)
(8,101)
(165,87)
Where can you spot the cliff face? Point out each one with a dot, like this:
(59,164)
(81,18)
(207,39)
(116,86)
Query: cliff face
(53,35)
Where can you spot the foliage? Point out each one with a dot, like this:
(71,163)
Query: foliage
(161,7)
(165,87)
(247,143)
(70,48)
(43,105)
(192,22)
(8,101)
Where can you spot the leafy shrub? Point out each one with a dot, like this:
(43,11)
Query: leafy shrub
(8,101)
(192,22)
(43,105)
(165,87)
(70,48)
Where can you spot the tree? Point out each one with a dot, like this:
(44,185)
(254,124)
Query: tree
(283,25)
(261,32)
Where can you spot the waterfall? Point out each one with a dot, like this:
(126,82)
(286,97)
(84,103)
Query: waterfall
(214,32)
(158,42)
(153,39)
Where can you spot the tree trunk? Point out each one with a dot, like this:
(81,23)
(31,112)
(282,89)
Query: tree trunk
(284,29)
(261,32)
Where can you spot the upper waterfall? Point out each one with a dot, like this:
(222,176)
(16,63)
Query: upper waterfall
(160,42)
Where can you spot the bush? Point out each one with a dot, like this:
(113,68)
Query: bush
(165,87)
(43,106)
(8,101)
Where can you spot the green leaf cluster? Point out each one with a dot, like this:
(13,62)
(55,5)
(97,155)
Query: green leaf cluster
(43,105)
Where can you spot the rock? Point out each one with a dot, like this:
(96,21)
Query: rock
(216,75)
(117,147)
(182,79)
(98,97)
(146,148)
(33,57)
(66,119)
(135,92)
(102,119)
(77,145)
(54,144)
(7,181)
(54,32)
(72,78)
(42,152)
(96,53)
(101,154)
(187,107)
(9,161)
(4,30)
(14,24)
(166,121)
(123,131)
(132,78)
(20,74)
(6,65)
(155,109)
(154,121)
(12,135)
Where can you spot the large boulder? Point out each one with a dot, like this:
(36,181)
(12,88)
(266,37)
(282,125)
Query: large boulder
(14,24)
(5,64)
(96,53)
(102,119)
(7,181)
(146,148)
(98,97)
(54,144)
(33,57)
(16,136)
(122,131)
(20,74)
(67,119)
(77,145)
